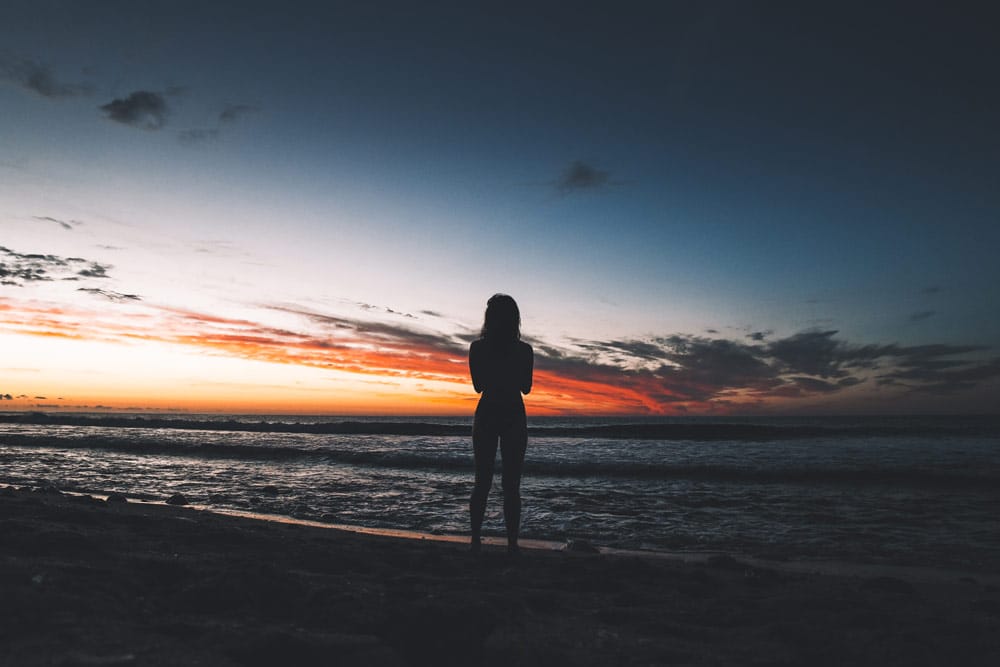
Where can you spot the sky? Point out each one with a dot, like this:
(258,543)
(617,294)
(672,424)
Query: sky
(701,208)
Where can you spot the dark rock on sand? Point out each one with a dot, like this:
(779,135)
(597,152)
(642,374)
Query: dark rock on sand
(117,497)
(217,498)
(177,499)
(270,490)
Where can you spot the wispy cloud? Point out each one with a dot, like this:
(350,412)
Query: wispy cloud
(921,315)
(110,295)
(234,112)
(143,109)
(65,224)
(230,114)
(580,176)
(38,78)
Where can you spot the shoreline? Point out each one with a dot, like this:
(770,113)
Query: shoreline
(820,567)
(916,573)
(90,582)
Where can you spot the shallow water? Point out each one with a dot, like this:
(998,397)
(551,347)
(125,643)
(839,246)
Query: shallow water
(901,492)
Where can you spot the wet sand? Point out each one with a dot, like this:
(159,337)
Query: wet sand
(88,582)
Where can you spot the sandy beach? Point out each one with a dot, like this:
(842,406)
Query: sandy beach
(90,582)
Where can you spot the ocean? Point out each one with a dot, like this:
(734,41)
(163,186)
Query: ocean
(910,491)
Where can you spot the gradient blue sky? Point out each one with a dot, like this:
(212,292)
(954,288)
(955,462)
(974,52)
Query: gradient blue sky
(655,183)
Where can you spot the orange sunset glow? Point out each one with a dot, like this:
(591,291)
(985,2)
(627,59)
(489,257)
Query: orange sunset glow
(135,356)
(272,369)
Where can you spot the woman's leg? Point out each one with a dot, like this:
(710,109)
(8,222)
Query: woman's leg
(513,444)
(484,448)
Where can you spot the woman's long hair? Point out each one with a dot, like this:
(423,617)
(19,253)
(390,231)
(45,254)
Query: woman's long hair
(501,323)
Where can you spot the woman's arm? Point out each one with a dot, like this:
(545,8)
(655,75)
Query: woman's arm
(529,366)
(476,367)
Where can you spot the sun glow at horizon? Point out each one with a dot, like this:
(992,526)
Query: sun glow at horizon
(287,359)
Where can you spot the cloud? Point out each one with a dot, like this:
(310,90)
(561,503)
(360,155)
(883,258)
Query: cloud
(580,176)
(810,352)
(759,335)
(111,295)
(143,109)
(65,224)
(700,373)
(38,78)
(234,112)
(6,397)
(18,269)
(386,335)
(931,289)
(921,315)
(935,369)
(815,385)
(95,270)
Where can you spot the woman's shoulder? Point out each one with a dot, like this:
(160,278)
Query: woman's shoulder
(524,347)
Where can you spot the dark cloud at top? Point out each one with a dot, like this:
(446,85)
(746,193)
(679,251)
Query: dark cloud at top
(921,315)
(18,269)
(38,78)
(143,109)
(932,289)
(580,176)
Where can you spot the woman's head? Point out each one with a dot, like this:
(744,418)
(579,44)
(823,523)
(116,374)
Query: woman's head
(502,322)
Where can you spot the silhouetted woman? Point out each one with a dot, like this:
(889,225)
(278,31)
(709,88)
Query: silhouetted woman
(501,365)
